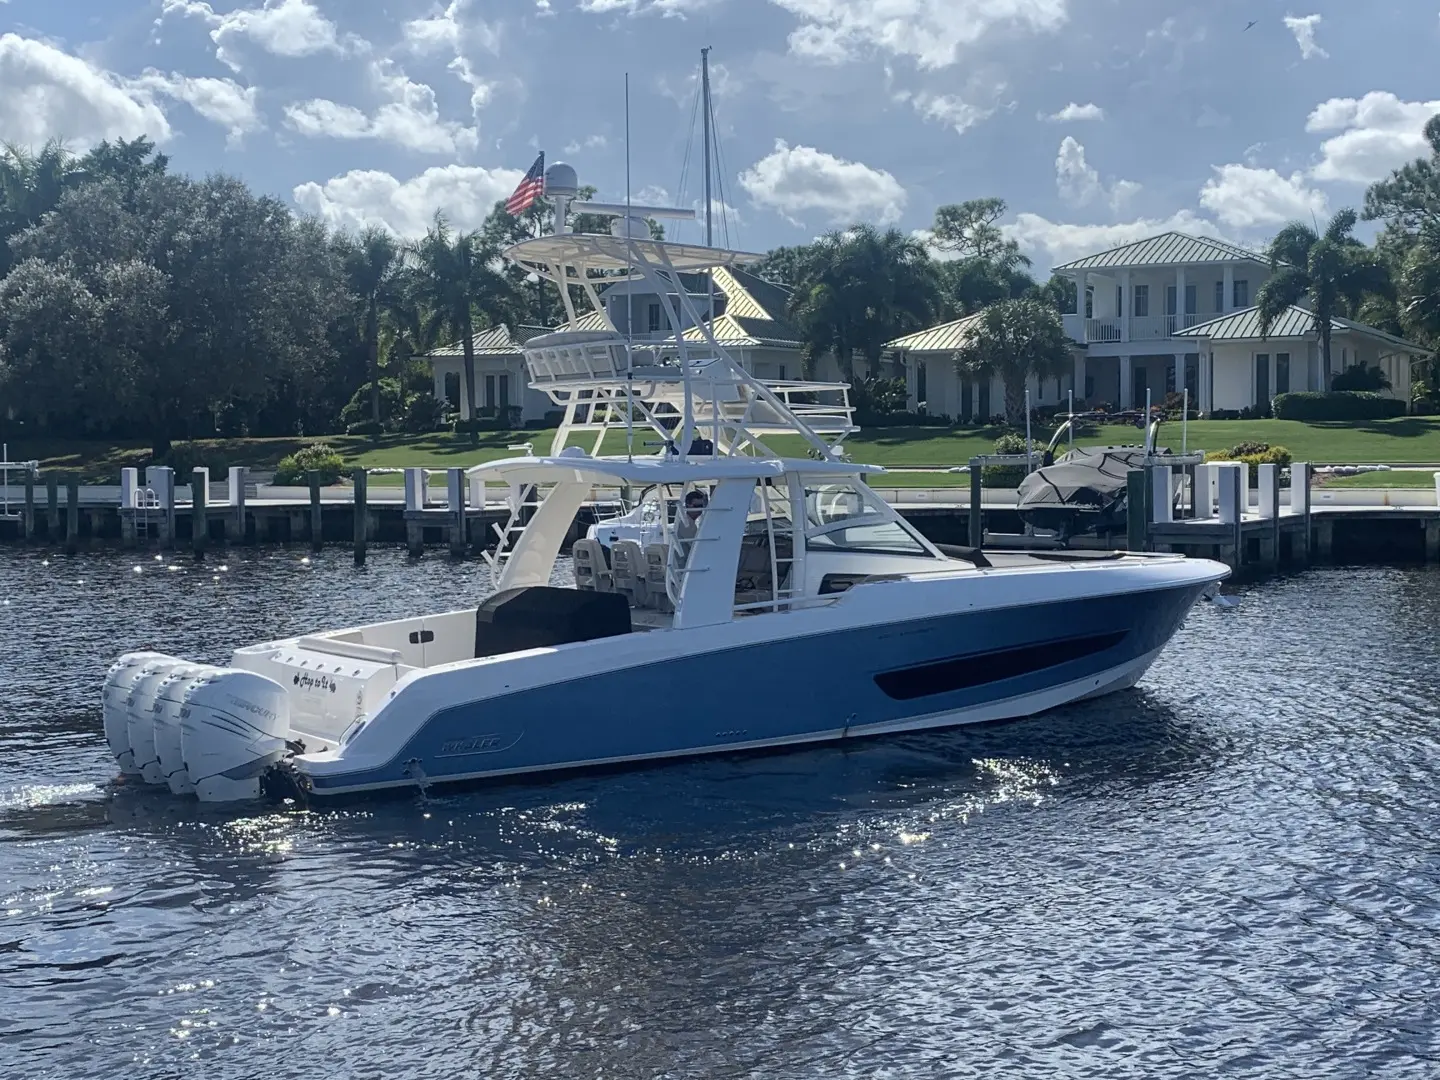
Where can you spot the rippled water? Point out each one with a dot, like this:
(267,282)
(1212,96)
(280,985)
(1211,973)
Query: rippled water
(1231,870)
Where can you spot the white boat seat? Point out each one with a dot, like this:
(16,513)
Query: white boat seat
(657,558)
(592,569)
(628,566)
(754,577)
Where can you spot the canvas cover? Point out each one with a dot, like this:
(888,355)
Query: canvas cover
(1084,489)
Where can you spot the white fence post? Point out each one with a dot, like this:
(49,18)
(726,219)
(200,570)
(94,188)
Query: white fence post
(415,481)
(129,489)
(1162,495)
(1269,490)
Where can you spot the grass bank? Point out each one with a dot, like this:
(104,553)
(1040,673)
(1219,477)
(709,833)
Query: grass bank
(1399,441)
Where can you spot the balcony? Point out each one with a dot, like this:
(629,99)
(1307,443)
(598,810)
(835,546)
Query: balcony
(1141,327)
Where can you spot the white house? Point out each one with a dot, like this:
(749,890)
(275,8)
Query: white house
(1165,314)
(500,377)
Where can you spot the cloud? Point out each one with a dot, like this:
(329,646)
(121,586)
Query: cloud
(1304,31)
(932,32)
(444,30)
(1378,133)
(47,93)
(1074,112)
(1079,182)
(1245,197)
(590,142)
(668,8)
(1051,243)
(410,119)
(794,180)
(289,28)
(947,109)
(221,101)
(466,194)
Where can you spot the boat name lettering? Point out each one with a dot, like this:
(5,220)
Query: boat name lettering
(479,744)
(315,682)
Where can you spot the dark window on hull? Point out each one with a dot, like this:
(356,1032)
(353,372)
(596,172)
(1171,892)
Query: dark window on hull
(977,669)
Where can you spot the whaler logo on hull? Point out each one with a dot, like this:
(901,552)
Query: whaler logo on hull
(478,744)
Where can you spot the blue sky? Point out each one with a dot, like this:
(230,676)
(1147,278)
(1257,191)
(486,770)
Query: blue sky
(1099,121)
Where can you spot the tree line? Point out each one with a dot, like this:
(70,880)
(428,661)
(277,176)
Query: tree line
(138,303)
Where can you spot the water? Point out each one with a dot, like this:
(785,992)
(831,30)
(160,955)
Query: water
(1230,871)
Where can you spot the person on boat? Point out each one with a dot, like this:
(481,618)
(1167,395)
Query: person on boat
(689,521)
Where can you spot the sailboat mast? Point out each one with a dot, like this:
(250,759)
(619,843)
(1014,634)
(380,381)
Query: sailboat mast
(705,92)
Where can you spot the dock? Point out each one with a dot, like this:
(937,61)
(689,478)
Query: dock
(1213,510)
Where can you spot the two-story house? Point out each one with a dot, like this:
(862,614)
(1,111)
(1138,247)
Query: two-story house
(1162,315)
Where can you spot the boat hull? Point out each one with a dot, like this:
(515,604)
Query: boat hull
(656,698)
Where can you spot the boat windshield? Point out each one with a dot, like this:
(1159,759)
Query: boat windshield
(843,515)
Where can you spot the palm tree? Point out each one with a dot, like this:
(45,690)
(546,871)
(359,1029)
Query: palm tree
(31,184)
(372,266)
(1016,339)
(454,274)
(858,290)
(1332,269)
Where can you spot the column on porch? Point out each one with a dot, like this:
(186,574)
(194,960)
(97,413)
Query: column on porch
(1126,306)
(1082,287)
(438,374)
(1180,312)
(1179,381)
(464,402)
(1205,404)
(1077,374)
(1227,301)
(1127,384)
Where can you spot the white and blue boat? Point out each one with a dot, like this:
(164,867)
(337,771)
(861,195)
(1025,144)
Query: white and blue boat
(746,600)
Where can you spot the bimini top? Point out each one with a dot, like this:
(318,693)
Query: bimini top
(597,251)
(575,466)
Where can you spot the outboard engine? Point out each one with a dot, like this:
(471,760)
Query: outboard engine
(233,724)
(140,716)
(169,700)
(119,681)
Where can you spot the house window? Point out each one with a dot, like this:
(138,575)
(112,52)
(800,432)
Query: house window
(920,388)
(1262,378)
(504,398)
(490,390)
(1242,293)
(654,323)
(1089,387)
(1282,373)
(1089,303)
(982,411)
(782,371)
(967,402)
(1170,299)
(1141,306)
(1219,297)
(452,388)
(1191,300)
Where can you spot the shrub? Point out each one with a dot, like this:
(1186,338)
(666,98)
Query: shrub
(875,397)
(1007,476)
(1360,377)
(423,412)
(186,457)
(316,457)
(1253,454)
(1337,405)
(365,427)
(358,409)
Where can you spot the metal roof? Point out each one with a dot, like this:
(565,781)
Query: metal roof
(1296,322)
(1167,249)
(944,338)
(493,342)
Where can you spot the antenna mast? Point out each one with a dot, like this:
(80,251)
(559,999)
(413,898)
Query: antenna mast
(705,107)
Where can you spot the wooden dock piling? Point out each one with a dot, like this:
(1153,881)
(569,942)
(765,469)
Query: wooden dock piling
(52,507)
(317,525)
(977,520)
(455,504)
(29,520)
(72,514)
(1137,517)
(362,513)
(199,511)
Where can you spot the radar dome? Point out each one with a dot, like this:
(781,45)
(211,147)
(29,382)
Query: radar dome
(560,179)
(630,228)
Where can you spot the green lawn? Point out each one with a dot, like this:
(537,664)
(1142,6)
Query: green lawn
(1407,440)
(1409,478)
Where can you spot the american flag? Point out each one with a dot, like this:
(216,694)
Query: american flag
(530,189)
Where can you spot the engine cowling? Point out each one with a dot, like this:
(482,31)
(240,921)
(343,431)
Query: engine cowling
(232,725)
(140,716)
(169,700)
(114,698)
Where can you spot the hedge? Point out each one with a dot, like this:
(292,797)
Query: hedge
(295,468)
(1337,405)
(1254,454)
